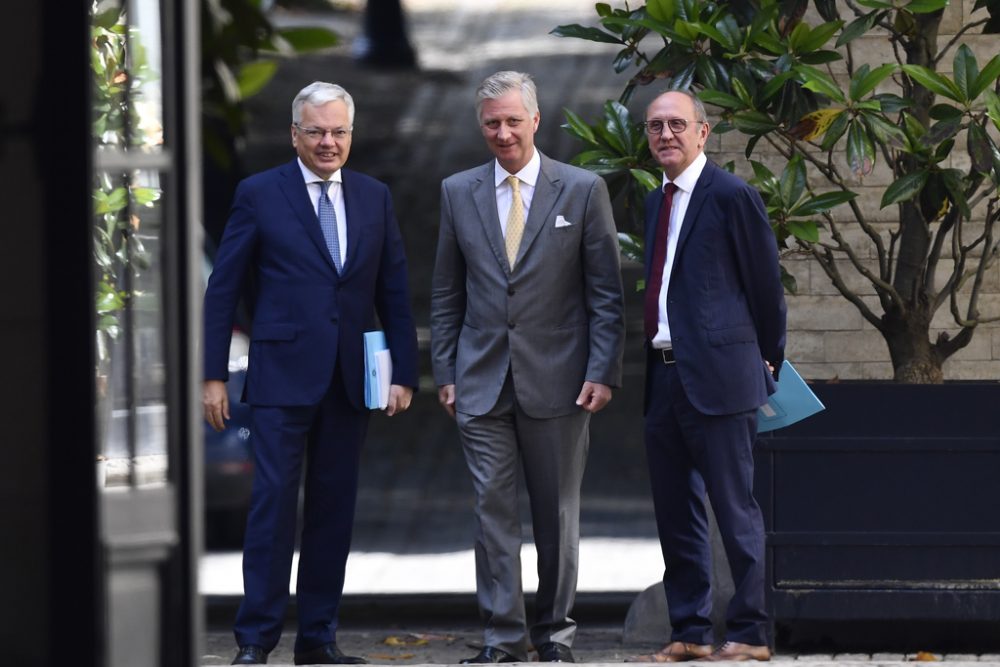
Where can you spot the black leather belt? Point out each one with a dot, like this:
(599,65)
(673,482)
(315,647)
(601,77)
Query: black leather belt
(666,354)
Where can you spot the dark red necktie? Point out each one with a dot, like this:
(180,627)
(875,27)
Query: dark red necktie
(652,309)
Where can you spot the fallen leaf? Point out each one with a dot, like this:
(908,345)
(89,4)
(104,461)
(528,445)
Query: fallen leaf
(924,656)
(409,640)
(386,656)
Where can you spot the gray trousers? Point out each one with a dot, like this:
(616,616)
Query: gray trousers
(553,453)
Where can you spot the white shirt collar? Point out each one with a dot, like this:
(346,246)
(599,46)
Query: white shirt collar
(528,173)
(689,177)
(309,177)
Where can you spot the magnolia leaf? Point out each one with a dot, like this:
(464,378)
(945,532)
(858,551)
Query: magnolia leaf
(966,71)
(823,202)
(820,82)
(865,81)
(904,189)
(305,39)
(720,99)
(860,26)
(793,181)
(934,82)
(788,281)
(926,6)
(661,10)
(804,230)
(584,32)
(754,122)
(632,247)
(954,183)
(986,78)
(647,180)
(578,127)
(818,36)
(860,150)
(253,76)
(814,124)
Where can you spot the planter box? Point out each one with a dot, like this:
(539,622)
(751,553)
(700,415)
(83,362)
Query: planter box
(886,506)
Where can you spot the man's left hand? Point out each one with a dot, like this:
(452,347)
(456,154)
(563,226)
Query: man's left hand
(593,396)
(399,399)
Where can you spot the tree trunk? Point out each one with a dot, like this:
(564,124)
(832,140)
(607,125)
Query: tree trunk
(914,358)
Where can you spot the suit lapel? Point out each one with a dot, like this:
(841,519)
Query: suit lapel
(353,204)
(485,198)
(295,190)
(547,190)
(702,189)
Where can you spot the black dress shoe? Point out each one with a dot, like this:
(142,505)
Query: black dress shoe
(489,654)
(328,654)
(554,652)
(250,655)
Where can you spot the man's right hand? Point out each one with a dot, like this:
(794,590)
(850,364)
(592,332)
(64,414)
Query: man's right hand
(215,403)
(446,397)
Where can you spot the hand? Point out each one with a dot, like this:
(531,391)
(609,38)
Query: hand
(594,396)
(399,399)
(215,403)
(769,366)
(446,397)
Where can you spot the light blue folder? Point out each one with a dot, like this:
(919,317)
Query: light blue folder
(794,401)
(375,381)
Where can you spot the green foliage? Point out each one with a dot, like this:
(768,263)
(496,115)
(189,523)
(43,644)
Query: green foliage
(120,71)
(801,91)
(240,51)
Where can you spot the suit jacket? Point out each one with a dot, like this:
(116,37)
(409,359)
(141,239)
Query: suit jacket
(307,318)
(725,303)
(556,320)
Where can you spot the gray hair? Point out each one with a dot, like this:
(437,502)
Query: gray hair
(319,93)
(699,107)
(499,84)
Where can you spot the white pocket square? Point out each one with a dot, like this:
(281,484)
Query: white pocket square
(562,222)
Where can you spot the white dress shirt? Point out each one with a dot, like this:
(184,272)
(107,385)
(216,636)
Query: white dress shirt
(682,197)
(505,193)
(336,193)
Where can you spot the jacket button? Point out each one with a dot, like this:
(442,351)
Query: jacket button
(510,291)
(511,325)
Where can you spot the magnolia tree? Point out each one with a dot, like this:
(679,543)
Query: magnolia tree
(799,90)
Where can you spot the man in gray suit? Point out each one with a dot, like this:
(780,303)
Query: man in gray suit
(527,332)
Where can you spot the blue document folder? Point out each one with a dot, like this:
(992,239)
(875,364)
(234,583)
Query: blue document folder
(794,401)
(378,370)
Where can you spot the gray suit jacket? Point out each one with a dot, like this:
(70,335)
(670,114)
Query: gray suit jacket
(556,320)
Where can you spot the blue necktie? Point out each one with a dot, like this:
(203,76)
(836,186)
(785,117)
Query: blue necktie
(328,223)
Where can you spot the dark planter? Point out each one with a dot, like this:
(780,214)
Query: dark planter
(885,509)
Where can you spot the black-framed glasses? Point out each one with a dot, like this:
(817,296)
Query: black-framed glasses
(676,125)
(317,133)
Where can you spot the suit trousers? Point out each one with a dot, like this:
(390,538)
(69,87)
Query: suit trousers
(689,454)
(553,454)
(327,438)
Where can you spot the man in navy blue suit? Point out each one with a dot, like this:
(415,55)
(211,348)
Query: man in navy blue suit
(715,331)
(324,250)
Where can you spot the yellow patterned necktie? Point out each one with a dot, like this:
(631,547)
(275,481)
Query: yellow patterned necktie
(515,221)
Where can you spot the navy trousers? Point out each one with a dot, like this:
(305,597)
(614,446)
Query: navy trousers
(326,439)
(691,454)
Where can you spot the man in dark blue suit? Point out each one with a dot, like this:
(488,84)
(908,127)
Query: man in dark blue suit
(715,329)
(324,250)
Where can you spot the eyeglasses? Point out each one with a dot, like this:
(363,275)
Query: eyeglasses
(317,133)
(676,125)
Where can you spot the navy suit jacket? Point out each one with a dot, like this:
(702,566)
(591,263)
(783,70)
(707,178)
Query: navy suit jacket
(725,302)
(307,318)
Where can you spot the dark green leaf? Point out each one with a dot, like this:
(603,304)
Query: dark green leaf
(926,6)
(858,27)
(804,230)
(827,9)
(820,82)
(904,189)
(647,180)
(788,281)
(661,10)
(934,82)
(578,127)
(835,131)
(822,203)
(719,99)
(584,32)
(623,60)
(753,122)
(632,246)
(603,9)
(865,81)
(966,71)
(986,78)
(892,103)
(821,57)
(875,4)
(818,36)
(860,151)
(942,131)
(793,181)
(945,112)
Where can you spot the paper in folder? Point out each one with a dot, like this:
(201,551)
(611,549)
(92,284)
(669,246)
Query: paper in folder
(378,370)
(792,402)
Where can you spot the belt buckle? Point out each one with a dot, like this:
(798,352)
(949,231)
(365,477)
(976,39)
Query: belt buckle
(667,354)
